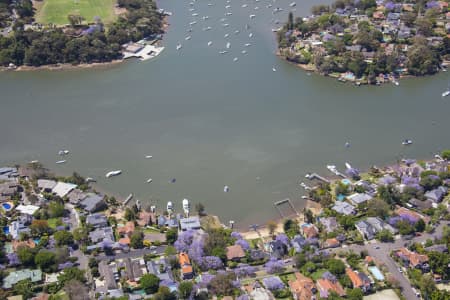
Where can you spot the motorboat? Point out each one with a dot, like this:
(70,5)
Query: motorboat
(223,19)
(186,206)
(90,179)
(173,180)
(188,38)
(210,4)
(148,156)
(223,52)
(277,10)
(228,45)
(225,25)
(205,17)
(406,142)
(396,83)
(273,69)
(226,189)
(236,32)
(247,45)
(274,29)
(347,165)
(332,168)
(34,162)
(244,52)
(228,6)
(269,6)
(256,7)
(244,5)
(446,93)
(347,144)
(113,173)
(235,59)
(252,16)
(226,35)
(61,162)
(228,14)
(247,27)
(250,35)
(193,23)
(169,206)
(149,180)
(179,46)
(209,43)
(195,14)
(63,152)
(207,28)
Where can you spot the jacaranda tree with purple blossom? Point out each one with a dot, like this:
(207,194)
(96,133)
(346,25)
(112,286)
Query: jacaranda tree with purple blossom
(184,241)
(274,266)
(273,283)
(244,270)
(210,263)
(283,238)
(243,243)
(13,259)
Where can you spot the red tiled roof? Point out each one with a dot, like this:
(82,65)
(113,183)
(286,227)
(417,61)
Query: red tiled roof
(127,229)
(303,287)
(356,281)
(234,252)
(327,285)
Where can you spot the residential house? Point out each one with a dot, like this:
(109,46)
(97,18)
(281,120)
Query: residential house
(325,286)
(437,194)
(442,248)
(366,230)
(102,234)
(16,276)
(330,224)
(277,249)
(46,185)
(235,253)
(160,269)
(97,220)
(309,231)
(298,242)
(413,259)
(359,280)
(302,288)
(186,267)
(359,198)
(93,203)
(191,223)
(16,228)
(110,274)
(127,229)
(62,188)
(8,189)
(146,218)
(331,243)
(76,196)
(28,243)
(421,205)
(379,225)
(134,268)
(344,208)
(411,215)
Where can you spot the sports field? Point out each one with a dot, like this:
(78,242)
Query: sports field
(56,11)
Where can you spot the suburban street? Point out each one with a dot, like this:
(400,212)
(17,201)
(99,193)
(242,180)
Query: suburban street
(132,253)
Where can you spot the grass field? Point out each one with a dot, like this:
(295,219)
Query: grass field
(56,11)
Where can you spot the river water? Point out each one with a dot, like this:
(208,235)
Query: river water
(210,122)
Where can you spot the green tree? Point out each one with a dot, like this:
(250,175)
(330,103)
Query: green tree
(130,215)
(171,235)
(185,289)
(39,227)
(446,154)
(420,225)
(56,209)
(63,238)
(385,236)
(309,217)
(291,227)
(149,283)
(222,284)
(272,226)
(164,294)
(76,290)
(24,288)
(45,260)
(335,266)
(200,209)
(26,255)
(355,294)
(170,250)
(422,60)
(70,274)
(137,239)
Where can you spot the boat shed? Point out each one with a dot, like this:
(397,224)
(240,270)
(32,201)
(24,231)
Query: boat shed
(191,223)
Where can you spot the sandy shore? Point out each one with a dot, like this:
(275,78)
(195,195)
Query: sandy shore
(66,66)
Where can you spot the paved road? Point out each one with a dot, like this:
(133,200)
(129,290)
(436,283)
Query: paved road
(133,253)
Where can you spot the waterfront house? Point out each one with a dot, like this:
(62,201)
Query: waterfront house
(235,253)
(442,248)
(8,189)
(359,280)
(437,194)
(46,185)
(62,188)
(325,286)
(127,229)
(146,218)
(186,267)
(330,224)
(75,196)
(93,203)
(16,228)
(191,223)
(302,288)
(344,208)
(14,277)
(309,231)
(366,230)
(97,220)
(277,249)
(413,259)
(15,244)
(359,198)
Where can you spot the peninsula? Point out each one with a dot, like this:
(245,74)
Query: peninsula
(68,33)
(369,41)
(383,234)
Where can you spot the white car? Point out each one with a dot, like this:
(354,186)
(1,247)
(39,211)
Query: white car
(152,247)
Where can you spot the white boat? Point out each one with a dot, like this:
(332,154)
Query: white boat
(63,152)
(209,43)
(61,162)
(252,16)
(244,52)
(244,5)
(274,30)
(223,19)
(347,165)
(188,38)
(89,179)
(223,52)
(396,83)
(34,162)
(292,4)
(406,142)
(235,59)
(226,189)
(149,180)
(247,45)
(225,25)
(228,14)
(207,28)
(193,23)
(236,32)
(169,206)
(195,14)
(228,45)
(113,173)
(273,69)
(191,9)
(205,17)
(179,46)
(228,6)
(269,6)
(210,4)
(226,35)
(256,7)
(277,10)
(148,156)
(446,93)
(186,206)
(250,35)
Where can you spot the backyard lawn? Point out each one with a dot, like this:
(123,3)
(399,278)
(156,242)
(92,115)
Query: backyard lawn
(56,11)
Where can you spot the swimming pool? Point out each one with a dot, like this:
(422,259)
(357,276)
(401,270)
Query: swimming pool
(6,230)
(7,206)
(346,181)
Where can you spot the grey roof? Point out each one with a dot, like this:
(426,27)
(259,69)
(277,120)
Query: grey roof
(190,223)
(421,204)
(366,229)
(97,220)
(101,234)
(153,268)
(45,184)
(76,195)
(107,272)
(62,188)
(15,277)
(6,170)
(379,224)
(436,195)
(329,223)
(344,208)
(92,202)
(359,198)
(438,248)
(134,268)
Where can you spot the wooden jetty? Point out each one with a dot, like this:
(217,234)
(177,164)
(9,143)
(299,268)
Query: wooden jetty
(130,196)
